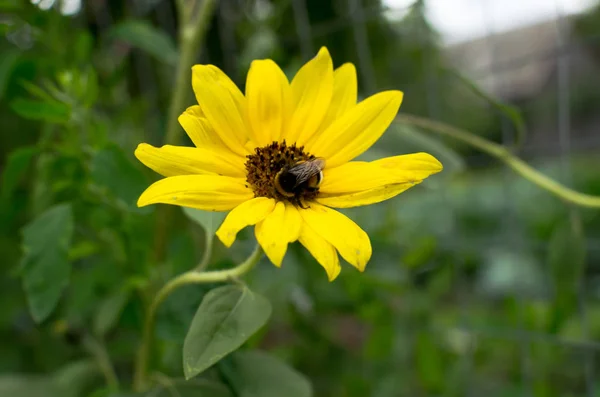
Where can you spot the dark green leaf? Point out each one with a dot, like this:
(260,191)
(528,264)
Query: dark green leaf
(11,5)
(258,374)
(226,318)
(146,37)
(56,112)
(45,266)
(17,163)
(109,312)
(191,388)
(111,169)
(8,60)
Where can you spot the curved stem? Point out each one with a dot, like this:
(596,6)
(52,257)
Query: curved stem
(191,277)
(98,351)
(208,247)
(498,151)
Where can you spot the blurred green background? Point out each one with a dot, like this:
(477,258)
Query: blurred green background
(480,282)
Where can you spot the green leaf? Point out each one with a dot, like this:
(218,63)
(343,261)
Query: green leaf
(146,37)
(111,169)
(209,220)
(192,388)
(45,267)
(109,312)
(258,374)
(566,258)
(74,377)
(226,318)
(19,385)
(430,365)
(17,163)
(7,64)
(567,251)
(55,112)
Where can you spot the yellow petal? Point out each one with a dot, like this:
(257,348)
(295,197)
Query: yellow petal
(248,213)
(321,250)
(344,94)
(312,88)
(358,176)
(204,192)
(360,183)
(223,104)
(277,230)
(269,101)
(359,127)
(195,124)
(180,160)
(366,197)
(347,237)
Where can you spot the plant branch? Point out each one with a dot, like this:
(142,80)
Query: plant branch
(192,30)
(191,36)
(208,248)
(498,151)
(98,351)
(190,277)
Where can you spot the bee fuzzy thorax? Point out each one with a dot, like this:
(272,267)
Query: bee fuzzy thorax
(285,173)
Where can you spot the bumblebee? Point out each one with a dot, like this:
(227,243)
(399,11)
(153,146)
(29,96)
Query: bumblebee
(300,181)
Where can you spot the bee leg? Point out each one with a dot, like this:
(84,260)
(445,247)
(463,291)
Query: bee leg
(297,201)
(301,204)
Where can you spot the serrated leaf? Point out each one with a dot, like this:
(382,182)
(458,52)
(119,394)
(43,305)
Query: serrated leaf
(45,268)
(17,163)
(111,169)
(109,312)
(226,318)
(258,374)
(209,220)
(55,112)
(146,37)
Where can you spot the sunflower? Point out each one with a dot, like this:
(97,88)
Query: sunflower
(280,158)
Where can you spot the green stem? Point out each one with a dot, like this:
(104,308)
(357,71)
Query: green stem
(191,34)
(191,277)
(98,351)
(498,151)
(208,247)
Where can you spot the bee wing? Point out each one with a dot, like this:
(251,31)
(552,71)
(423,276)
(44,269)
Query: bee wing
(304,171)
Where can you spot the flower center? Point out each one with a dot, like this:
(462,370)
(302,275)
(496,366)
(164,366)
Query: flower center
(285,173)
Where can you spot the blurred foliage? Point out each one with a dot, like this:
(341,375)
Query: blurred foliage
(480,283)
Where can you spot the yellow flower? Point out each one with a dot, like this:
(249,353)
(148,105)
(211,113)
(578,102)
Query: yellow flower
(259,156)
